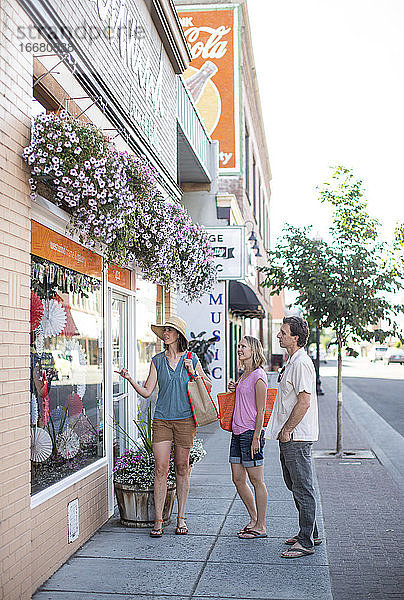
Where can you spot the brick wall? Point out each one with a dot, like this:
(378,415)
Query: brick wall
(15,105)
(33,543)
(50,547)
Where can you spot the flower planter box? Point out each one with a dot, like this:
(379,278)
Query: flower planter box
(136,505)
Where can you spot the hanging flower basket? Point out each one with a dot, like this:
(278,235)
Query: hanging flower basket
(114,201)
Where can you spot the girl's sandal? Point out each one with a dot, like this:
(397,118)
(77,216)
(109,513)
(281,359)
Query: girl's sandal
(157,532)
(181,529)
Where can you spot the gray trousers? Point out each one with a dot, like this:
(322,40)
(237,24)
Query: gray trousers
(298,476)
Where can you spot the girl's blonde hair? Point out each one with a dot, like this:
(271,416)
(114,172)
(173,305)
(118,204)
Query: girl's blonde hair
(258,356)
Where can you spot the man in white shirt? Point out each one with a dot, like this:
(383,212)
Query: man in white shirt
(294,422)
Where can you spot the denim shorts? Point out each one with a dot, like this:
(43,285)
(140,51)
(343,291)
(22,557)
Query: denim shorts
(240,449)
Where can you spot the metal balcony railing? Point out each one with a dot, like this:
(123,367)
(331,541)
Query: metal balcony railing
(194,129)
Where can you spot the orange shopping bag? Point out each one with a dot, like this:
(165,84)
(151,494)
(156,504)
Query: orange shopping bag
(226,402)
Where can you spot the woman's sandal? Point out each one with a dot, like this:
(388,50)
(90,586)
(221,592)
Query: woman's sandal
(157,533)
(181,529)
(244,530)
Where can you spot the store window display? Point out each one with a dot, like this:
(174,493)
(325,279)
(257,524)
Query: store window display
(66,372)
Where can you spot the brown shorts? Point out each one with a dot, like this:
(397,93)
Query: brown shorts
(180,431)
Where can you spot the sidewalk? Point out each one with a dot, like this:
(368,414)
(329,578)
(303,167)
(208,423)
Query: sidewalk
(211,562)
(359,500)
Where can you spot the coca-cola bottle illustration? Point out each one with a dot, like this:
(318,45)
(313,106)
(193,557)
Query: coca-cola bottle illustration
(196,83)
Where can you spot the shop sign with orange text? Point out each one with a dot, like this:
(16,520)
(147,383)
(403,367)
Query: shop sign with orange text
(59,249)
(213,75)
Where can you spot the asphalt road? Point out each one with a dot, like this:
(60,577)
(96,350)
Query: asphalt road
(380,385)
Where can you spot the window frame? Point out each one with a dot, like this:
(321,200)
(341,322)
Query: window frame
(50,215)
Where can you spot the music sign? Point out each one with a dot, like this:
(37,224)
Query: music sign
(228,251)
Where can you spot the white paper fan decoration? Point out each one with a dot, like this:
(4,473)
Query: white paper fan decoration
(39,342)
(68,443)
(34,410)
(41,445)
(54,318)
(83,427)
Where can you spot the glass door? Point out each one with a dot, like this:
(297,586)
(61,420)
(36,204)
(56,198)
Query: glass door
(119,330)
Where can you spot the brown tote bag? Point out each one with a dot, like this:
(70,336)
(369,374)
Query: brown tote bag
(226,407)
(203,407)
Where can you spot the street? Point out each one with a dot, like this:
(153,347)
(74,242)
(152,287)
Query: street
(380,385)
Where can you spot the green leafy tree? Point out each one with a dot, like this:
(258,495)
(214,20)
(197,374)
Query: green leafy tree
(347,282)
(399,236)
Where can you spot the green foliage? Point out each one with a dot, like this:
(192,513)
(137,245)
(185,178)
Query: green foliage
(136,465)
(344,283)
(144,427)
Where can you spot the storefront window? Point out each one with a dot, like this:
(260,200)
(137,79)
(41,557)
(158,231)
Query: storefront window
(66,372)
(119,331)
(148,311)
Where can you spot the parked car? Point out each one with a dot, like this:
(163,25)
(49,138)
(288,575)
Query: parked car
(394,355)
(378,353)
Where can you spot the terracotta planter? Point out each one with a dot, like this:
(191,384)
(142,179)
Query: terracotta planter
(136,505)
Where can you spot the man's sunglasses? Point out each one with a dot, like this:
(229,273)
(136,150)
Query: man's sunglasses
(280,374)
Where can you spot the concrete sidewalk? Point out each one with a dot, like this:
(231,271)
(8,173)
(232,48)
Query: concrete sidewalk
(360,506)
(119,563)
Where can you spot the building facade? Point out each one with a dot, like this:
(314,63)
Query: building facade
(68,320)
(222,81)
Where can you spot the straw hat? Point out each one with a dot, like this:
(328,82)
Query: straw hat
(174,322)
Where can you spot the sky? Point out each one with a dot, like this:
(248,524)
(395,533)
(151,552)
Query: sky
(330,75)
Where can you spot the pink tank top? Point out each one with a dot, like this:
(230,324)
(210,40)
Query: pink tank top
(245,408)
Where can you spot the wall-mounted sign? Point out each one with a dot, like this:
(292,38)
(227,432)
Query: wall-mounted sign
(59,249)
(228,249)
(210,315)
(73,520)
(127,31)
(115,43)
(119,276)
(213,75)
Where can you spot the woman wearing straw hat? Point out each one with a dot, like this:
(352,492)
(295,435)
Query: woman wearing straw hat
(172,421)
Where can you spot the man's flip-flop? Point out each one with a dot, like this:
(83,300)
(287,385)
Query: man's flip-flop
(251,534)
(296,553)
(293,540)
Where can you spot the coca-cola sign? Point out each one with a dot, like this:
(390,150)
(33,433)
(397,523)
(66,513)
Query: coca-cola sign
(213,76)
(214,47)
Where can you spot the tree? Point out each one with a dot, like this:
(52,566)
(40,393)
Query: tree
(345,283)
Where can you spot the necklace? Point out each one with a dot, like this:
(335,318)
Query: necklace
(175,364)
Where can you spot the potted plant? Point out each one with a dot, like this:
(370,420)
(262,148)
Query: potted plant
(134,477)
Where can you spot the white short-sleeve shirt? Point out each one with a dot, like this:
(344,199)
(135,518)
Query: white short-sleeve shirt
(299,376)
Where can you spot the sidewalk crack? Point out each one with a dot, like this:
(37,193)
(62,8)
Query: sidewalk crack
(197,580)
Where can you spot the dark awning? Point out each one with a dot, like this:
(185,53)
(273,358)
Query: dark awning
(243,301)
